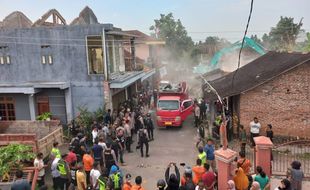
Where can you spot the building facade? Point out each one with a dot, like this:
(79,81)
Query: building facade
(50,66)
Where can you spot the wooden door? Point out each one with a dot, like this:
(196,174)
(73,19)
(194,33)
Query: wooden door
(43,105)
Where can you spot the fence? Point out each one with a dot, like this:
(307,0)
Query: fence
(285,153)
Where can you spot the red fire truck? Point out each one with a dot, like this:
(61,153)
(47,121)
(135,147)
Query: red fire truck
(173,105)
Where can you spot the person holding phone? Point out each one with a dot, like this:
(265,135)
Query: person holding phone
(172,180)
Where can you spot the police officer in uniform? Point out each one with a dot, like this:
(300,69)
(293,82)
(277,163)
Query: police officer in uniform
(149,126)
(64,171)
(143,139)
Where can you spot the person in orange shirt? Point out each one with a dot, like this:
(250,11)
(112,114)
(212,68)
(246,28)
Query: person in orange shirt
(127,185)
(244,163)
(198,170)
(240,179)
(88,162)
(137,186)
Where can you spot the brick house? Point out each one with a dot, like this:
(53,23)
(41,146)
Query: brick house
(274,88)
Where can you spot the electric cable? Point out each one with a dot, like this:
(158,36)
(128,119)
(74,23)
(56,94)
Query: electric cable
(242,44)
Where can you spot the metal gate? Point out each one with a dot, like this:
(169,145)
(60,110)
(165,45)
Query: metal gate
(284,154)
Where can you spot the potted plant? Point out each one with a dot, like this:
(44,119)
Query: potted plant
(14,156)
(46,116)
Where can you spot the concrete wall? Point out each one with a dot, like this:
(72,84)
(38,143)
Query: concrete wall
(88,95)
(282,102)
(67,47)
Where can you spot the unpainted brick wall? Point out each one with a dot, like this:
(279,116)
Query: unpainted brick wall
(39,128)
(283,102)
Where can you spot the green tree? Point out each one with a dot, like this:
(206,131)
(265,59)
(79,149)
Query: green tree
(174,33)
(307,46)
(283,36)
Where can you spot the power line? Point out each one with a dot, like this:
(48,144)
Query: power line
(242,44)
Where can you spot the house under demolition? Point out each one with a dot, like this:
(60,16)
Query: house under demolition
(53,66)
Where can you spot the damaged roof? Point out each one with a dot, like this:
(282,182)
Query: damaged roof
(144,37)
(16,19)
(257,72)
(56,17)
(86,16)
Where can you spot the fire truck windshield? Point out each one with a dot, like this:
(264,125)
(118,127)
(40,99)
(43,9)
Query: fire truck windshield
(168,104)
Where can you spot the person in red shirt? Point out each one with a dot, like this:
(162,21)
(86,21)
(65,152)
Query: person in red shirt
(71,156)
(208,178)
(198,171)
(88,162)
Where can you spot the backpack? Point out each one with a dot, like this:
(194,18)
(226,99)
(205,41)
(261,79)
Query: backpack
(189,185)
(142,135)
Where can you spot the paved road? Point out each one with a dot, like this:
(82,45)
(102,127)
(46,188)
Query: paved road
(170,145)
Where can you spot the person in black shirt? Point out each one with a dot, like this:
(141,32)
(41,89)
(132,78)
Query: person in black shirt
(269,132)
(108,118)
(149,126)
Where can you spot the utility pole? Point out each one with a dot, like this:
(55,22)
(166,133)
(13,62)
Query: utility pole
(223,133)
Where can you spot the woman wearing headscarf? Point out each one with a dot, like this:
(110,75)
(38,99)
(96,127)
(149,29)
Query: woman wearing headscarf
(240,179)
(255,186)
(231,185)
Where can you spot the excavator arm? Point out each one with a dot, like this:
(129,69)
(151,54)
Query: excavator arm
(248,42)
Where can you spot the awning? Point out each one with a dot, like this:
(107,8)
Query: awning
(148,74)
(122,80)
(120,33)
(31,87)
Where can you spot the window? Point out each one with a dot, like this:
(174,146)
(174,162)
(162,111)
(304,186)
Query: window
(95,55)
(1,60)
(5,60)
(187,104)
(46,59)
(7,108)
(168,104)
(43,60)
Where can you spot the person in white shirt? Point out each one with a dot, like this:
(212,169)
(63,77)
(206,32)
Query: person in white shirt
(94,134)
(55,172)
(39,165)
(102,144)
(94,175)
(254,129)
(128,134)
(197,114)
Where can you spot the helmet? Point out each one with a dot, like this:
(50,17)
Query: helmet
(161,183)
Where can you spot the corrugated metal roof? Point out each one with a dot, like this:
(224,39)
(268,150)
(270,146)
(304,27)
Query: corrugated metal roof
(257,72)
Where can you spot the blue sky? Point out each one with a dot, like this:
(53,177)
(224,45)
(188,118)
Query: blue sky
(202,18)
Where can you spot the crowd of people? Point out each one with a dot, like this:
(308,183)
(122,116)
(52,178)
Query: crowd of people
(96,165)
